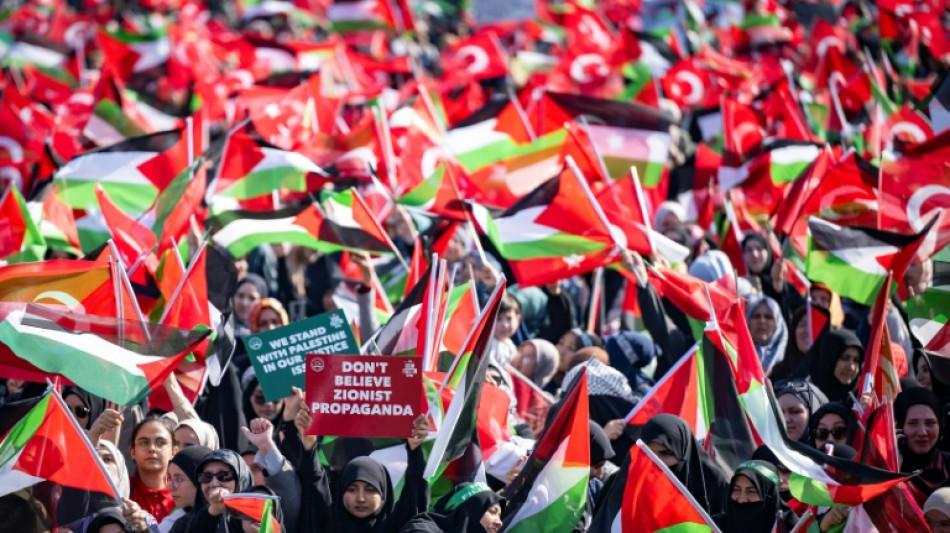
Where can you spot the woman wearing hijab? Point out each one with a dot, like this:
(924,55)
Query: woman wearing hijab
(364,501)
(267,314)
(468,508)
(670,438)
(249,291)
(194,432)
(798,400)
(833,364)
(753,504)
(631,352)
(797,346)
(920,425)
(184,487)
(219,473)
(538,360)
(762,269)
(85,406)
(833,423)
(768,329)
(255,404)
(610,397)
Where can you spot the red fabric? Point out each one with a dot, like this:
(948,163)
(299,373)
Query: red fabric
(158,503)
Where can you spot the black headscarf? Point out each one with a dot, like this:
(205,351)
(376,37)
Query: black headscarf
(694,468)
(95,404)
(459,511)
(245,479)
(839,409)
(753,517)
(188,459)
(793,356)
(110,515)
(822,358)
(766,273)
(807,393)
(938,368)
(600,448)
(322,275)
(371,471)
(912,461)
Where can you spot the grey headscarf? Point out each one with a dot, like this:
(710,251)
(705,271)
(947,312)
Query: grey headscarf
(772,352)
(711,266)
(547,359)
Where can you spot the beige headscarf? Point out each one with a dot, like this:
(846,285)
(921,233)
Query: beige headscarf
(939,501)
(207,436)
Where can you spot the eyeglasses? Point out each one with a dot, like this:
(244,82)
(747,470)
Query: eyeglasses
(934,525)
(81,411)
(177,480)
(837,433)
(144,444)
(223,476)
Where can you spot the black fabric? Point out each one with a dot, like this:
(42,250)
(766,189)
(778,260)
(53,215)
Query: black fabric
(934,464)
(188,459)
(753,517)
(822,358)
(600,448)
(112,515)
(465,518)
(231,458)
(221,407)
(807,393)
(694,468)
(559,316)
(785,368)
(323,275)
(839,409)
(95,404)
(603,409)
(200,520)
(322,504)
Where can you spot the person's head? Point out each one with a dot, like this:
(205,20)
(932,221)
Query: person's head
(249,291)
(754,482)
(601,450)
(586,354)
(194,432)
(182,479)
(153,446)
(670,438)
(458,246)
(257,472)
(669,215)
(571,341)
(223,469)
(115,465)
(830,424)
(922,372)
(918,413)
(109,520)
(260,406)
(366,487)
(762,322)
(756,253)
(85,406)
(268,314)
(475,500)
(250,524)
(764,453)
(803,340)
(937,510)
(837,362)
(820,296)
(537,359)
(798,399)
(848,365)
(509,317)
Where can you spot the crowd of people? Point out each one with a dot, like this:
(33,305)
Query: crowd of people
(175,468)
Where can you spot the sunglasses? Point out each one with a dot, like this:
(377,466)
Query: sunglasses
(223,477)
(81,411)
(836,433)
(259,399)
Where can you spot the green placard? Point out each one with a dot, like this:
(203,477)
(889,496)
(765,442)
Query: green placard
(279,355)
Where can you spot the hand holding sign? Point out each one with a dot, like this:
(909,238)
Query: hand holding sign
(420,430)
(365,396)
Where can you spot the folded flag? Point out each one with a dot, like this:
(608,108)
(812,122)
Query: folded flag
(257,508)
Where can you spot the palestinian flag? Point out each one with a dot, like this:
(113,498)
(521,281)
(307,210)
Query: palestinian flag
(20,238)
(929,313)
(624,134)
(132,239)
(47,447)
(533,403)
(624,205)
(130,53)
(503,160)
(256,508)
(878,372)
(466,376)
(132,172)
(362,15)
(550,493)
(555,232)
(62,344)
(343,222)
(113,118)
(438,194)
(679,392)
(462,311)
(646,498)
(765,178)
(56,223)
(402,333)
(251,168)
(854,261)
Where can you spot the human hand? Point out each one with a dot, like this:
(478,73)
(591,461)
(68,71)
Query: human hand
(367,270)
(303,421)
(134,516)
(107,422)
(216,501)
(420,430)
(614,428)
(260,434)
(834,517)
(293,403)
(515,470)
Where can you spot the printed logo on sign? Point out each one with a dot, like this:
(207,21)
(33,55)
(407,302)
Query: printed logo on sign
(336,321)
(255,343)
(409,369)
(317,364)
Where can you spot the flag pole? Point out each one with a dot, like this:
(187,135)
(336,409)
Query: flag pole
(181,284)
(127,283)
(72,420)
(666,377)
(679,485)
(579,176)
